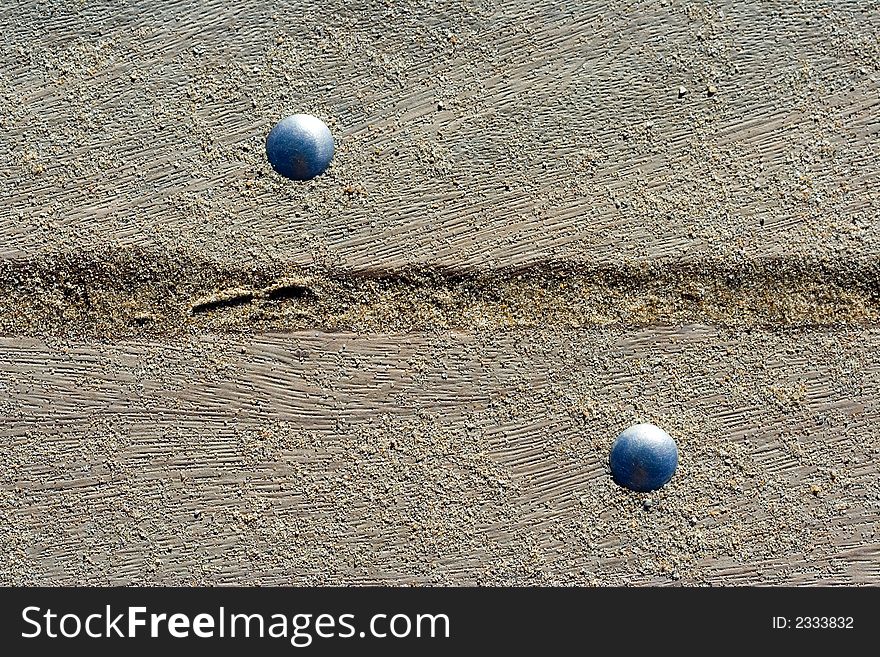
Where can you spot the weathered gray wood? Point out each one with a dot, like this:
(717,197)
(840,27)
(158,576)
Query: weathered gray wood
(483,133)
(137,447)
(462,458)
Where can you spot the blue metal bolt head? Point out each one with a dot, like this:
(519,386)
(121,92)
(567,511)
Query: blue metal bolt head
(300,147)
(643,458)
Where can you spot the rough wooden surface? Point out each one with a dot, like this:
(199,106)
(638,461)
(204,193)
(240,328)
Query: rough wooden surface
(462,435)
(472,132)
(461,458)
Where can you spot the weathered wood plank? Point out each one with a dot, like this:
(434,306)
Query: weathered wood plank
(456,458)
(482,133)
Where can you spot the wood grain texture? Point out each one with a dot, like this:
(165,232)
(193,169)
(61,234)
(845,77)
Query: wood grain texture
(141,442)
(455,459)
(480,133)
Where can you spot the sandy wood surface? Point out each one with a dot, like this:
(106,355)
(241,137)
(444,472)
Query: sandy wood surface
(472,132)
(456,458)
(605,212)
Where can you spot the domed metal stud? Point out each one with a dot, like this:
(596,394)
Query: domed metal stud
(300,147)
(643,458)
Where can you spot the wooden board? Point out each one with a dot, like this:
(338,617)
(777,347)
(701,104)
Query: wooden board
(604,212)
(454,459)
(481,133)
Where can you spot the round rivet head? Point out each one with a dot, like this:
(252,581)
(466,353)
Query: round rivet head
(643,458)
(300,147)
